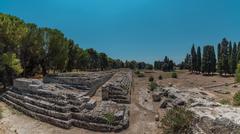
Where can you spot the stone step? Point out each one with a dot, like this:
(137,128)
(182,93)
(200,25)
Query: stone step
(123,101)
(40,103)
(38,116)
(39,110)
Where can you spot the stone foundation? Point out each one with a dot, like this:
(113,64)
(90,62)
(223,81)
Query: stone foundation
(118,88)
(63,102)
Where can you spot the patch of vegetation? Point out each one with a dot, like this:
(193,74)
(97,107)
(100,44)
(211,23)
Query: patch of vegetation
(174,75)
(141,75)
(152,86)
(225,102)
(137,72)
(160,77)
(177,121)
(110,118)
(151,79)
(238,73)
(1,111)
(236,99)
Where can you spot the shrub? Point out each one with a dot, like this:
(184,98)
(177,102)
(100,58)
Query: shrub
(177,120)
(236,99)
(153,86)
(225,102)
(137,72)
(151,79)
(141,75)
(110,118)
(238,73)
(174,75)
(160,77)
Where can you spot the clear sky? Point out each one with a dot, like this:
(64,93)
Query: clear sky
(143,30)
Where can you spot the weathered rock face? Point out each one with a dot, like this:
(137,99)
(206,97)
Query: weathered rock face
(211,117)
(66,104)
(118,88)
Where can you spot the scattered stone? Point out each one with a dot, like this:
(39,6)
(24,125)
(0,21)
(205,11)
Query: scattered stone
(157,117)
(221,91)
(235,86)
(164,103)
(170,84)
(91,104)
(156,97)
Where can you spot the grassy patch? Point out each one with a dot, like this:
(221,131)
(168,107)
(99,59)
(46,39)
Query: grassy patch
(174,75)
(225,102)
(152,86)
(141,75)
(110,118)
(236,99)
(177,121)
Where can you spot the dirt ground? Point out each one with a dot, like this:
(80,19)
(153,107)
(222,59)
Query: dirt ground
(142,108)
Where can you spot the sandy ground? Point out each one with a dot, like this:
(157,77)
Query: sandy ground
(142,109)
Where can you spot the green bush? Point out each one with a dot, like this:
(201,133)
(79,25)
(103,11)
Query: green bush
(177,120)
(151,79)
(137,72)
(160,77)
(174,75)
(110,118)
(141,75)
(153,86)
(238,73)
(236,99)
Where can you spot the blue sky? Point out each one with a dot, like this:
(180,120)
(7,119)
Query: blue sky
(143,30)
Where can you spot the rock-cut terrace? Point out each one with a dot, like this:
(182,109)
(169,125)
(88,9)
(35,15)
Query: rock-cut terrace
(66,100)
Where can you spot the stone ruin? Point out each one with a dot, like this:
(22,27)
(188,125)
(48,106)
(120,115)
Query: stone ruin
(117,89)
(65,100)
(210,117)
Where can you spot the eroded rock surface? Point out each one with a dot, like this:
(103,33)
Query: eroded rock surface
(211,117)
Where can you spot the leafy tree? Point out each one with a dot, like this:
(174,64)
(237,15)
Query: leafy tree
(103,61)
(220,61)
(10,66)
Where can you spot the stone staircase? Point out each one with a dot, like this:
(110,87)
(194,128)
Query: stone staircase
(44,103)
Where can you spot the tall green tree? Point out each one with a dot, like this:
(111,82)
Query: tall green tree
(234,58)
(225,56)
(230,71)
(220,61)
(208,60)
(103,58)
(199,60)
(194,59)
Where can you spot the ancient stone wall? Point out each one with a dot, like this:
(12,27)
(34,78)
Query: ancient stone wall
(63,105)
(118,88)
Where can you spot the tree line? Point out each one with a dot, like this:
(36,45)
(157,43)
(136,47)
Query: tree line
(207,62)
(26,50)
(165,65)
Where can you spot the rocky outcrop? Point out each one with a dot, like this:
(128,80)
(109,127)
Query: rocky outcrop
(211,117)
(66,104)
(118,88)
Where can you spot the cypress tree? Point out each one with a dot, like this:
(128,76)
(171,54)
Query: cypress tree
(220,63)
(230,69)
(194,59)
(199,59)
(208,60)
(224,55)
(234,57)
(238,52)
